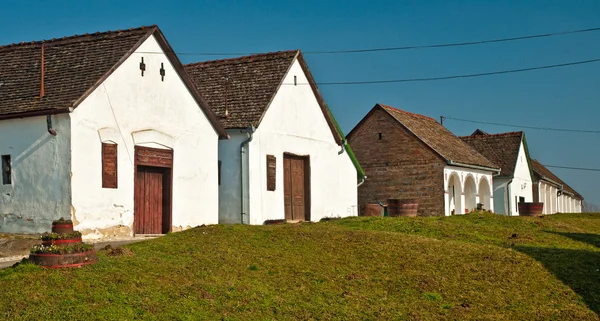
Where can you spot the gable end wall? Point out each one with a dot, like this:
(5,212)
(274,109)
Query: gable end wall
(397,166)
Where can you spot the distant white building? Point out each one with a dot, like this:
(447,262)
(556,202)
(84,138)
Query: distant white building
(108,130)
(557,196)
(509,151)
(286,158)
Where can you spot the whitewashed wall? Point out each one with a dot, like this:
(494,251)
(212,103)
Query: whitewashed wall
(502,200)
(294,123)
(133,110)
(229,190)
(507,192)
(462,173)
(521,183)
(40,190)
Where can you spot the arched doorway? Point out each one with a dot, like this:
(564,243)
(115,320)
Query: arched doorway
(470,194)
(454,193)
(485,194)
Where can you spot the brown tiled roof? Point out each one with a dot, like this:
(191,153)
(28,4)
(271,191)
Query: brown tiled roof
(253,81)
(438,138)
(541,172)
(73,67)
(502,149)
(245,86)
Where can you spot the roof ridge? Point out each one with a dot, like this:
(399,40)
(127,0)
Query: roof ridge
(271,53)
(507,134)
(407,112)
(97,33)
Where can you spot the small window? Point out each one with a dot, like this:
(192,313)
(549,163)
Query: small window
(109,165)
(219,173)
(380,136)
(6,170)
(271,172)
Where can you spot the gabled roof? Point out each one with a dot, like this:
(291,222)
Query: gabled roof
(436,136)
(502,149)
(245,86)
(541,172)
(73,67)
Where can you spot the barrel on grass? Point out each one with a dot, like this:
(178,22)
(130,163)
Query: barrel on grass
(49,260)
(531,208)
(59,227)
(402,207)
(373,210)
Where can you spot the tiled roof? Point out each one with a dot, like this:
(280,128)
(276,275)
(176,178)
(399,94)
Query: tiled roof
(253,81)
(540,171)
(501,149)
(73,67)
(438,138)
(245,86)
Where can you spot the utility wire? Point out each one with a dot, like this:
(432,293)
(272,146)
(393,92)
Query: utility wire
(456,44)
(575,168)
(441,45)
(451,77)
(528,127)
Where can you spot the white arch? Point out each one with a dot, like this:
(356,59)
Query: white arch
(153,138)
(470,193)
(454,194)
(485,194)
(108,134)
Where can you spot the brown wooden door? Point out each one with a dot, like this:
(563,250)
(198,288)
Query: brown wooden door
(296,183)
(149,205)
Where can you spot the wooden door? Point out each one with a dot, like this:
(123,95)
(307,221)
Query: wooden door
(296,188)
(149,208)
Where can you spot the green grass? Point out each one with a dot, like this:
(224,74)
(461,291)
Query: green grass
(457,268)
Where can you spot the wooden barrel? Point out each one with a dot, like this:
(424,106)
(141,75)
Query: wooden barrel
(373,210)
(62,228)
(62,242)
(398,207)
(531,209)
(64,260)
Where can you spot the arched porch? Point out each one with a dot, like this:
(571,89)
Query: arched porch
(470,194)
(485,196)
(454,195)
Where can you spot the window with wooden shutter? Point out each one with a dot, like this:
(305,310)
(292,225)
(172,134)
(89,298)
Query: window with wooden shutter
(109,165)
(219,173)
(6,170)
(271,172)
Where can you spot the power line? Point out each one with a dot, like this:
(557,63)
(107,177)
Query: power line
(456,44)
(441,45)
(575,168)
(451,77)
(528,127)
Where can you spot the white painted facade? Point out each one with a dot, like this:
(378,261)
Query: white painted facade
(554,203)
(293,123)
(39,191)
(61,176)
(508,192)
(465,188)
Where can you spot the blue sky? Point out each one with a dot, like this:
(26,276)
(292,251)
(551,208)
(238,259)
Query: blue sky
(559,98)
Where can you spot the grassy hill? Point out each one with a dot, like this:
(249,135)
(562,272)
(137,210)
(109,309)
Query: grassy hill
(479,267)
